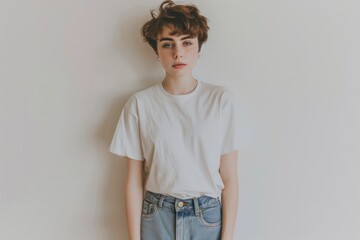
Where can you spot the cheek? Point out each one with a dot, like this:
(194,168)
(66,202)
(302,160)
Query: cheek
(164,57)
(163,53)
(194,56)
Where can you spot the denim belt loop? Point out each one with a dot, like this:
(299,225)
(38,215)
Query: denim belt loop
(196,206)
(161,201)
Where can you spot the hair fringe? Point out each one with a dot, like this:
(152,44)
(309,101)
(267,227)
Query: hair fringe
(185,19)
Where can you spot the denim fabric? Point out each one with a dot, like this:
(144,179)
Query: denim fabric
(168,218)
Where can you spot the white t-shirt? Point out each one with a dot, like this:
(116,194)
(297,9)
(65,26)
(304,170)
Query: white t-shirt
(180,137)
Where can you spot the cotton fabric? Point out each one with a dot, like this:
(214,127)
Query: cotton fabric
(180,137)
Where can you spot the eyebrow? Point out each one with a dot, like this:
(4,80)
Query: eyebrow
(171,39)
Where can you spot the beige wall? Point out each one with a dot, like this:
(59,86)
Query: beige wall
(67,68)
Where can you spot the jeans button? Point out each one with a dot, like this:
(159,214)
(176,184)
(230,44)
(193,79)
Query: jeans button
(180,204)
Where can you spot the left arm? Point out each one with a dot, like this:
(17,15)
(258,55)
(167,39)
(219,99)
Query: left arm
(230,194)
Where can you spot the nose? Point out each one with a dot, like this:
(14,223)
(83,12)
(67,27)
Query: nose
(177,52)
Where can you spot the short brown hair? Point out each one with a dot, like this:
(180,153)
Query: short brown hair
(184,19)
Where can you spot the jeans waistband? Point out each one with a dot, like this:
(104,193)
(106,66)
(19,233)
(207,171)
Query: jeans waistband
(195,203)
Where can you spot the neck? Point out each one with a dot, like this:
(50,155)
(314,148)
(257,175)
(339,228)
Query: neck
(179,85)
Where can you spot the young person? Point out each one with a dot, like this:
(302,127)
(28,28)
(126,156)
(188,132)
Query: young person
(180,139)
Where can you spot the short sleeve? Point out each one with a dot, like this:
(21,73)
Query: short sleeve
(126,141)
(229,123)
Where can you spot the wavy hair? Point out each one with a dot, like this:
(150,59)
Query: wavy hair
(183,19)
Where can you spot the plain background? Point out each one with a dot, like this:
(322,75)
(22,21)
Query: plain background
(68,66)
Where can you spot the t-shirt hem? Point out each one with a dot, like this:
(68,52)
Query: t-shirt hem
(185,196)
(123,155)
(230,150)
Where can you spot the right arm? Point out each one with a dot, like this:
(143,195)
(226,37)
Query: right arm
(134,192)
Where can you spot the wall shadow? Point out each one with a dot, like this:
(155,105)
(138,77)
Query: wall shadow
(135,53)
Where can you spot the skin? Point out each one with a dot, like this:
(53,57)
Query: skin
(173,50)
(230,194)
(134,194)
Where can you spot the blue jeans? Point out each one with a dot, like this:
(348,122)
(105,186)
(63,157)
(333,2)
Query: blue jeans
(168,218)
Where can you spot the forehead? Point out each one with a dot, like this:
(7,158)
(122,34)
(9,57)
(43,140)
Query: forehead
(165,33)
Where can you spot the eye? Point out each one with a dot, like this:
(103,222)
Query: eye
(187,43)
(166,45)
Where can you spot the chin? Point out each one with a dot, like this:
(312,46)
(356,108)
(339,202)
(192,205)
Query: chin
(181,74)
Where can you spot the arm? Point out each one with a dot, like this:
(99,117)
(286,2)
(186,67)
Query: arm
(229,196)
(134,192)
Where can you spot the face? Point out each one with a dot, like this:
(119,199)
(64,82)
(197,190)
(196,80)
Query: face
(178,54)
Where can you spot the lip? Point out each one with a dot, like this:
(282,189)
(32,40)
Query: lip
(179,65)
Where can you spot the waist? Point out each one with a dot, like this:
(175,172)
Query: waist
(177,203)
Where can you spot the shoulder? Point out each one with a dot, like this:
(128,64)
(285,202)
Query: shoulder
(221,92)
(143,95)
(146,92)
(149,91)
